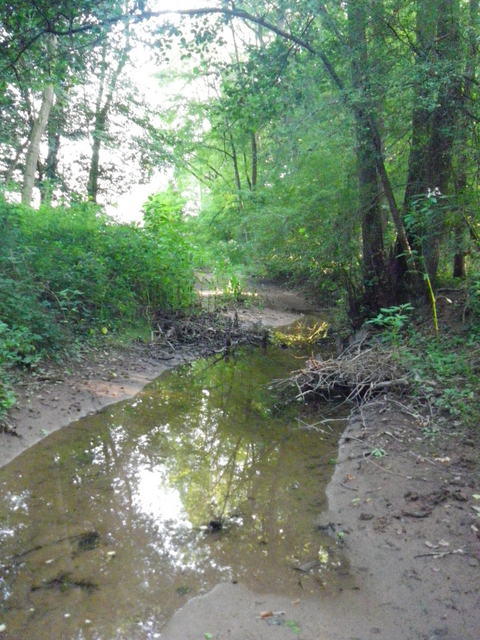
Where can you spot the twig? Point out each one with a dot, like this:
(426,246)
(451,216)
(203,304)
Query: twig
(442,554)
(347,487)
(379,466)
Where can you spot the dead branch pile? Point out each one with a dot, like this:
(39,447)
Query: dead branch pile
(356,374)
(209,332)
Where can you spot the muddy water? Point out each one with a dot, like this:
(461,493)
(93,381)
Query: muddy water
(109,526)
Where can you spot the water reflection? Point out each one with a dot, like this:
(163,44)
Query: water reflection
(108,526)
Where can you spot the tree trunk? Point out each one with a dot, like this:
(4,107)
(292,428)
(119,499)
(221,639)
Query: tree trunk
(433,124)
(54,129)
(439,162)
(416,186)
(375,269)
(464,129)
(94,171)
(33,151)
(254,161)
(236,170)
(103,105)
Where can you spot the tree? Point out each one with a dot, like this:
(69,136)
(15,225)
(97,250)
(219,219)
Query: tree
(365,49)
(109,73)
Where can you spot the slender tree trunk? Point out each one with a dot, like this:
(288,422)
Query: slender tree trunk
(254,161)
(236,170)
(94,171)
(54,129)
(33,151)
(98,127)
(103,105)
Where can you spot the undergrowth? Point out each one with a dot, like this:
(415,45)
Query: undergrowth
(445,370)
(71,274)
(443,367)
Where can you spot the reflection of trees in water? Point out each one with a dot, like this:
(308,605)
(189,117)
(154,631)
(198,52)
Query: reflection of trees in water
(205,437)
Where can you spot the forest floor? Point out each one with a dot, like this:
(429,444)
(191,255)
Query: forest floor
(408,519)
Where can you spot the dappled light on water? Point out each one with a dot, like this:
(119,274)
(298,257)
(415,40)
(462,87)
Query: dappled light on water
(109,526)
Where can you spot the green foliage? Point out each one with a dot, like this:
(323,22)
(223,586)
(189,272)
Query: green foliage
(446,372)
(163,208)
(473,295)
(68,273)
(392,320)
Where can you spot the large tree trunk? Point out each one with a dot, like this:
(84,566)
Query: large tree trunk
(433,123)
(375,268)
(464,129)
(439,163)
(33,151)
(416,186)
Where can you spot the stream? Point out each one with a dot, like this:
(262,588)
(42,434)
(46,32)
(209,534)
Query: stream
(111,525)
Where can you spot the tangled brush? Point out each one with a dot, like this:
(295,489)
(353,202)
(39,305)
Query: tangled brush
(356,374)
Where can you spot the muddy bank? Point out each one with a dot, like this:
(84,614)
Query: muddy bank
(406,523)
(68,391)
(405,497)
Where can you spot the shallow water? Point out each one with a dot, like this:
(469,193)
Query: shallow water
(108,526)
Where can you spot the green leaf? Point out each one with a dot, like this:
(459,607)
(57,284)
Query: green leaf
(293,626)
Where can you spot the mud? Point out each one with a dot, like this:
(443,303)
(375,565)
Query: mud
(403,499)
(64,392)
(410,526)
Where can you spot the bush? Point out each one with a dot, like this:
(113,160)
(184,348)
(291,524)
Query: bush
(73,272)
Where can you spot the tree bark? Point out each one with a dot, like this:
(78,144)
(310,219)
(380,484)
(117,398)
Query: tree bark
(103,105)
(33,151)
(464,128)
(375,269)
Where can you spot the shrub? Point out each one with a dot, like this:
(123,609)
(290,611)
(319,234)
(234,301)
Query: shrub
(72,272)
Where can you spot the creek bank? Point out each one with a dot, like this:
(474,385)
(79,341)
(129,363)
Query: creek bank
(410,533)
(405,497)
(406,515)
(64,392)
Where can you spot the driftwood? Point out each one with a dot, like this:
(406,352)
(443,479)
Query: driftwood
(356,374)
(210,332)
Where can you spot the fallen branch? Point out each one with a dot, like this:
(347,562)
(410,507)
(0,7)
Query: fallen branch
(356,375)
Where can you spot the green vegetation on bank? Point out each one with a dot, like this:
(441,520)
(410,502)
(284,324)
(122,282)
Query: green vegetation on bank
(443,364)
(332,145)
(70,274)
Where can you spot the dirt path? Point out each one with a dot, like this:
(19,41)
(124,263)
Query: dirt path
(406,516)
